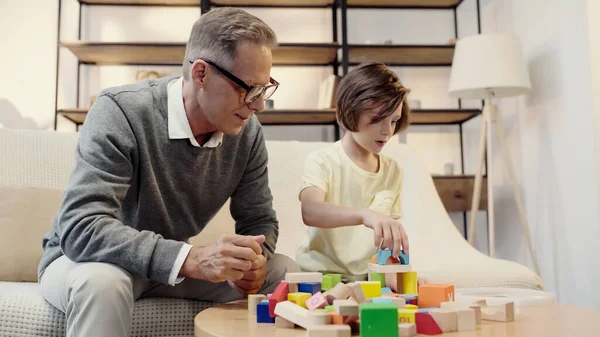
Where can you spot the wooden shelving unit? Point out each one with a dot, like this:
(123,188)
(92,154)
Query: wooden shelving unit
(402,55)
(163,53)
(440,4)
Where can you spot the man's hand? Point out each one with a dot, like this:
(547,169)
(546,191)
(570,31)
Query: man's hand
(387,229)
(253,279)
(227,259)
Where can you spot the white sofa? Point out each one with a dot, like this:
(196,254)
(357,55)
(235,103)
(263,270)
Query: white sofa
(35,166)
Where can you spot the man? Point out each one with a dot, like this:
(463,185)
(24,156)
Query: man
(154,163)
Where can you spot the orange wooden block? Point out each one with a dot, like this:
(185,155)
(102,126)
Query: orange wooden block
(432,295)
(336,318)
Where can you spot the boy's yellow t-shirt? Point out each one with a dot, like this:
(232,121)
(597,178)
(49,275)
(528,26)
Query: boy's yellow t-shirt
(347,250)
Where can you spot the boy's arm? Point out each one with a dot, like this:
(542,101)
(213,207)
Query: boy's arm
(317,213)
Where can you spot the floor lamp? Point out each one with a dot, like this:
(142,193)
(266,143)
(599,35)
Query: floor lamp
(484,67)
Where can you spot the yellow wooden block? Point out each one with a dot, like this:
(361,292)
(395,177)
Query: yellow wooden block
(406,315)
(299,298)
(409,283)
(412,307)
(371,289)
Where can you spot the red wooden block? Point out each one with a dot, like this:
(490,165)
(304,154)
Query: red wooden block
(279,295)
(426,325)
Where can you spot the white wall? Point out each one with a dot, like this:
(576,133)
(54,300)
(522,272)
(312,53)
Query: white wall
(593,21)
(27,64)
(551,137)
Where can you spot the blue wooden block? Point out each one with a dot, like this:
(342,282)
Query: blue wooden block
(262,313)
(425,310)
(309,287)
(382,300)
(404,258)
(386,290)
(383,255)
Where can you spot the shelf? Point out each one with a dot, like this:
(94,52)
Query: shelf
(402,55)
(273,3)
(267,117)
(446,4)
(173,53)
(174,3)
(442,116)
(456,192)
(323,117)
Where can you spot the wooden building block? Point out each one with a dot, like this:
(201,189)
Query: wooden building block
(329,331)
(326,282)
(426,325)
(336,318)
(409,283)
(371,288)
(346,307)
(283,323)
(383,255)
(303,277)
(386,290)
(406,316)
(378,277)
(299,298)
(432,295)
(400,302)
(357,293)
(280,294)
(253,301)
(316,301)
(446,319)
(378,320)
(404,258)
(459,305)
(301,316)
(262,313)
(465,319)
(309,287)
(382,300)
(390,268)
(412,307)
(407,329)
(499,313)
(293,287)
(340,291)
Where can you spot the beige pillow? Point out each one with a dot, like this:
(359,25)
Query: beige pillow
(25,216)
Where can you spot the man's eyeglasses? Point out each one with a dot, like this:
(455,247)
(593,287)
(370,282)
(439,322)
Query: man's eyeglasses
(253,92)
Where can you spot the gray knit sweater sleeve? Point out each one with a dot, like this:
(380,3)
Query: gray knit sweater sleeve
(252,202)
(87,223)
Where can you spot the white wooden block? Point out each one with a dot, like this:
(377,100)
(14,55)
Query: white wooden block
(499,313)
(346,307)
(335,330)
(465,319)
(253,301)
(445,319)
(303,277)
(458,305)
(300,316)
(283,323)
(399,301)
(390,268)
(340,291)
(357,293)
(293,287)
(407,329)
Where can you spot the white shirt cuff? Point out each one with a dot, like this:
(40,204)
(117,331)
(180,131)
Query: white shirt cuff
(183,253)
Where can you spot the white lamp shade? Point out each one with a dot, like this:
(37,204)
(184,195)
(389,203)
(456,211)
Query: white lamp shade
(488,62)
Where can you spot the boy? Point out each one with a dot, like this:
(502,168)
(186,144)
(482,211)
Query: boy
(350,194)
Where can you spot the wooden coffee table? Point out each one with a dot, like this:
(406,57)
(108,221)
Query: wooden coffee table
(555,320)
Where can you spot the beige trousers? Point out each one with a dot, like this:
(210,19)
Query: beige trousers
(98,298)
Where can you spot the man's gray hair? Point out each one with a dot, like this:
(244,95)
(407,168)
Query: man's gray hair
(216,35)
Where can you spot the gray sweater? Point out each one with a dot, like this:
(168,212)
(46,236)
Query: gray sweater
(134,195)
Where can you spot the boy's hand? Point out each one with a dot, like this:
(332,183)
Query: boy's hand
(387,229)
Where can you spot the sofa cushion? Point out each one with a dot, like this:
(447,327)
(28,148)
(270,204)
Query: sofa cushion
(24,312)
(25,216)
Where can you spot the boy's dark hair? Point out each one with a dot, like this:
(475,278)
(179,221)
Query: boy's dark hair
(369,86)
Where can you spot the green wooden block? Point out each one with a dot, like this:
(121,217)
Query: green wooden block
(378,320)
(327,282)
(377,277)
(329,308)
(337,278)
(320,310)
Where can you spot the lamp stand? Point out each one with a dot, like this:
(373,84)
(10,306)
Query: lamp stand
(489,118)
